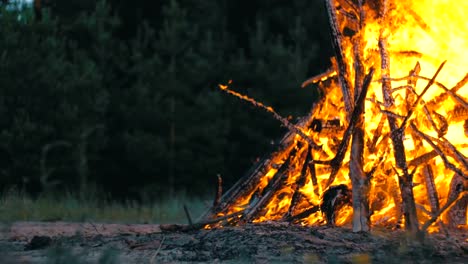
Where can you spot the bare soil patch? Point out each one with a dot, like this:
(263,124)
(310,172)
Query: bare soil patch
(252,243)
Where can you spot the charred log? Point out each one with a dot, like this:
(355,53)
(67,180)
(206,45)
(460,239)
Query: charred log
(333,200)
(457,213)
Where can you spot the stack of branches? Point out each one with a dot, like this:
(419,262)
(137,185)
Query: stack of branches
(346,28)
(346,25)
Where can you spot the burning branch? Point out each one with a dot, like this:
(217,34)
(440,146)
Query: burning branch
(320,78)
(439,151)
(301,182)
(269,109)
(336,162)
(337,43)
(447,205)
(412,108)
(396,135)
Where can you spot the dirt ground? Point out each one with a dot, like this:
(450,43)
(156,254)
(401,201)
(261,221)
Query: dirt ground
(59,242)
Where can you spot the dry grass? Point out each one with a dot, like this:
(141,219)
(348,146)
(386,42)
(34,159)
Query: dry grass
(15,206)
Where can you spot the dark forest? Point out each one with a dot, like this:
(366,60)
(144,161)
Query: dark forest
(121,97)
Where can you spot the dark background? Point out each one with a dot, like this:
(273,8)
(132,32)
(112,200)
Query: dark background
(121,97)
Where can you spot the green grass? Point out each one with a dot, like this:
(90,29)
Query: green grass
(15,206)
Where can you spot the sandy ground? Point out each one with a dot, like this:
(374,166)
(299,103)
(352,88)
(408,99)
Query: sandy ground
(60,242)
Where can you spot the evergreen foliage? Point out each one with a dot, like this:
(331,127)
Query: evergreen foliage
(126,99)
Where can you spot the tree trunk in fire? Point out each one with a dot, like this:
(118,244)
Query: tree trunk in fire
(359,180)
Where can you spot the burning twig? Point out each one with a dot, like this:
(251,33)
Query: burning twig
(377,135)
(199,225)
(453,151)
(442,97)
(423,158)
(411,110)
(447,163)
(269,109)
(320,78)
(442,128)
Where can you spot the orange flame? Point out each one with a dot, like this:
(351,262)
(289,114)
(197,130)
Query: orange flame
(423,33)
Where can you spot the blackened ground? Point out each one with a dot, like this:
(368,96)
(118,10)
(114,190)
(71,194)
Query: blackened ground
(259,243)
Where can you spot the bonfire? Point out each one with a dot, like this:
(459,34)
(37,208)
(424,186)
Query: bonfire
(387,143)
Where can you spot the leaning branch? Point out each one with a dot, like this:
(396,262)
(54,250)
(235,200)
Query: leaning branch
(338,49)
(431,82)
(439,151)
(269,109)
(447,205)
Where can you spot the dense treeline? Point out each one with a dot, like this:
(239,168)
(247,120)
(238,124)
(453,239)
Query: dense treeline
(122,96)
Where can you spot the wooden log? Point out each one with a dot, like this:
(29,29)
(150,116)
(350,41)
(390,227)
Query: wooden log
(428,175)
(371,146)
(423,158)
(313,176)
(359,179)
(405,181)
(432,194)
(337,43)
(303,214)
(457,214)
(452,151)
(300,183)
